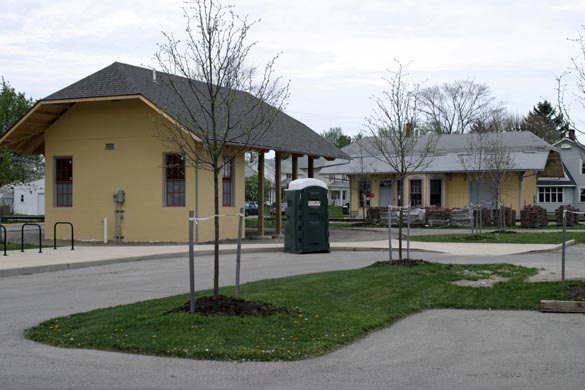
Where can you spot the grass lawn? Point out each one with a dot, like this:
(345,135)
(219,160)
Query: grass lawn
(12,246)
(328,310)
(506,238)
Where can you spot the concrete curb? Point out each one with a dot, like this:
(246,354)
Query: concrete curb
(65,266)
(556,247)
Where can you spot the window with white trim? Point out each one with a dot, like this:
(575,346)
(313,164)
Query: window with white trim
(582,194)
(550,194)
(436,192)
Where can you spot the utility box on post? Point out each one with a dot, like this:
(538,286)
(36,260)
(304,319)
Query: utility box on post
(307,217)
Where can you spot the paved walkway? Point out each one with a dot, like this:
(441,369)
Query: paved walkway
(31,261)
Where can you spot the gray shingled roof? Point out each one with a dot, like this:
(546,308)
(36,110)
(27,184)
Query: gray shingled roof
(528,152)
(285,134)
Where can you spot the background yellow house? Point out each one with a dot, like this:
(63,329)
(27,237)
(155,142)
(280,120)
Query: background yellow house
(106,161)
(445,181)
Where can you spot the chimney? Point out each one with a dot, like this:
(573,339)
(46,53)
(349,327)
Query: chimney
(154,76)
(571,134)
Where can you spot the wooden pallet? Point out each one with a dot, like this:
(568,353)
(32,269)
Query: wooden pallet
(562,306)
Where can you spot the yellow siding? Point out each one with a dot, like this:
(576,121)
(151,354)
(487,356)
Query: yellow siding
(511,192)
(135,166)
(456,190)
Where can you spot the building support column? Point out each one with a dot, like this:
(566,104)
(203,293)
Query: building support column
(295,167)
(310,169)
(520,181)
(278,196)
(260,194)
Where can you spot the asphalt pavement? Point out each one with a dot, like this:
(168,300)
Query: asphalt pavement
(437,349)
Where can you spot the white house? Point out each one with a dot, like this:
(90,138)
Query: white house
(29,198)
(570,189)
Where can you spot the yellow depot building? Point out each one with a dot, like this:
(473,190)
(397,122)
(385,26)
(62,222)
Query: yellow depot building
(107,163)
(455,174)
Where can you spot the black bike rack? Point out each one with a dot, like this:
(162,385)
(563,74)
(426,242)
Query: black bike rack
(22,236)
(55,233)
(4,230)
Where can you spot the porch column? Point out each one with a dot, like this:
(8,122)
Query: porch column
(295,167)
(310,169)
(278,197)
(260,194)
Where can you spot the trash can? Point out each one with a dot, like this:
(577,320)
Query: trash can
(307,219)
(345,209)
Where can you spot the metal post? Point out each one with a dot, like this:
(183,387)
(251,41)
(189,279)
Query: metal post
(239,251)
(197,240)
(408,236)
(564,248)
(55,234)
(4,234)
(191,263)
(22,236)
(390,233)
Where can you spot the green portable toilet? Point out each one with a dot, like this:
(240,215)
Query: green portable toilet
(307,220)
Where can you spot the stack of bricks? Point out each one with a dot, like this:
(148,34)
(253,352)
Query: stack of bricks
(437,216)
(486,215)
(460,217)
(572,219)
(509,216)
(533,216)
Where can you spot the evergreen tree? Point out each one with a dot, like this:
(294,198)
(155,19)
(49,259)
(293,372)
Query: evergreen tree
(544,121)
(336,137)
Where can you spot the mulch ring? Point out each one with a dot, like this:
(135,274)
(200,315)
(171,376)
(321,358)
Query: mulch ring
(405,262)
(503,232)
(229,306)
(577,292)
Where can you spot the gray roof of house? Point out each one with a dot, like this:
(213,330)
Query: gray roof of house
(528,153)
(179,102)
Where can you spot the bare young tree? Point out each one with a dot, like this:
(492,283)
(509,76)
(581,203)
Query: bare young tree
(226,105)
(453,108)
(498,165)
(574,75)
(392,126)
(473,162)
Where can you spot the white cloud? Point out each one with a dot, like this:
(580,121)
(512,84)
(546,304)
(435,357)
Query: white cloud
(334,51)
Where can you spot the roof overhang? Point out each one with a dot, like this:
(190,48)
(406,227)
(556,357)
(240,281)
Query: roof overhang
(28,134)
(546,162)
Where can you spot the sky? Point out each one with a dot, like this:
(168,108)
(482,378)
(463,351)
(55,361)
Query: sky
(334,52)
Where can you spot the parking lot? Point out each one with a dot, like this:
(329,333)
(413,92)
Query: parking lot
(438,349)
